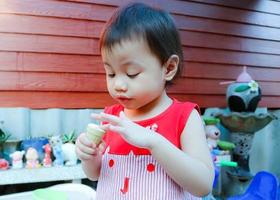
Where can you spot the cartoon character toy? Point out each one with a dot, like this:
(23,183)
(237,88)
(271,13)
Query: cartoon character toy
(56,144)
(32,158)
(212,132)
(47,161)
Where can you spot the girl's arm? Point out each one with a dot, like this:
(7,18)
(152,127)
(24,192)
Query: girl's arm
(92,170)
(191,167)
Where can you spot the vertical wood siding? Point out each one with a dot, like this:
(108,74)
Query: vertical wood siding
(49,50)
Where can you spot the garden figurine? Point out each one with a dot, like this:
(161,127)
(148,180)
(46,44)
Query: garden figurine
(32,157)
(4,164)
(212,132)
(56,144)
(17,162)
(47,161)
(244,94)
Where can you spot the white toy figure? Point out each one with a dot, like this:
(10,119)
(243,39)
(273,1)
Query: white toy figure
(17,159)
(212,132)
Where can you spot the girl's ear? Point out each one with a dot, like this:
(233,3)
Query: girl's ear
(171,67)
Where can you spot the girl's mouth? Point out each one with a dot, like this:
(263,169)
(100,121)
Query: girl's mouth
(123,99)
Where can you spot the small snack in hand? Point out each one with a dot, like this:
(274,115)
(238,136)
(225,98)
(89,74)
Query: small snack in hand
(94,133)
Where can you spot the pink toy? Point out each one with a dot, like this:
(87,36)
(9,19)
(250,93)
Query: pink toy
(4,164)
(17,159)
(32,158)
(47,161)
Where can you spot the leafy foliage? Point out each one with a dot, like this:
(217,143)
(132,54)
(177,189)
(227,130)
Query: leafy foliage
(71,137)
(3,136)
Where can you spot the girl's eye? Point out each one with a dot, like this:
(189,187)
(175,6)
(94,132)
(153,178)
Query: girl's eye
(133,75)
(111,75)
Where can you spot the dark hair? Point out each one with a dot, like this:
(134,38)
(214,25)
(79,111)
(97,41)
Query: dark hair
(138,20)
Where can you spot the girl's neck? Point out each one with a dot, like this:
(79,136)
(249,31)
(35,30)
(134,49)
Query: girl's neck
(151,109)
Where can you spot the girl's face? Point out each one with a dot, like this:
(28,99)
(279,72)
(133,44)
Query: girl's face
(135,77)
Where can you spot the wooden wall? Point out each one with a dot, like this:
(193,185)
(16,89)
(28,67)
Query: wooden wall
(49,50)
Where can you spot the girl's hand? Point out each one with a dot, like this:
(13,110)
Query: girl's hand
(87,150)
(130,131)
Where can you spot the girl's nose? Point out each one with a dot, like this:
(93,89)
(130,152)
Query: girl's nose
(120,85)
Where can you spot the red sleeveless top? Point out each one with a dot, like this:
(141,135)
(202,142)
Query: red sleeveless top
(169,124)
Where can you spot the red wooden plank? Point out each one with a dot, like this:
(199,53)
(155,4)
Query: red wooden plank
(48,44)
(54,99)
(49,26)
(31,81)
(216,41)
(205,101)
(272,7)
(43,62)
(220,71)
(231,57)
(61,9)
(225,27)
(212,86)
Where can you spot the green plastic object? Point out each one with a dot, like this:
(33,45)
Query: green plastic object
(211,120)
(224,145)
(224,163)
(48,194)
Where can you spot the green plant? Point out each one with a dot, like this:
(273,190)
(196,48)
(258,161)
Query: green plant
(71,137)
(3,136)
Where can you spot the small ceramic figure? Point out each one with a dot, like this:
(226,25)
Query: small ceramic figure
(4,164)
(47,161)
(17,159)
(212,132)
(244,94)
(32,158)
(56,144)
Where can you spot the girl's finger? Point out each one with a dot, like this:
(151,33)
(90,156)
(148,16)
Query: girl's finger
(109,118)
(84,140)
(82,155)
(105,127)
(117,129)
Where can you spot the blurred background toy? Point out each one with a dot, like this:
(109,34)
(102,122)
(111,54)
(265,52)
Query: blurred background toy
(4,164)
(56,144)
(32,157)
(212,132)
(47,161)
(17,157)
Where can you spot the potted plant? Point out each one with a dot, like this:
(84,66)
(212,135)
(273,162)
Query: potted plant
(3,138)
(69,138)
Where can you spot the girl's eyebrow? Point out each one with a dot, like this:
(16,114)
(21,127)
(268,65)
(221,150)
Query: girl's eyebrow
(105,63)
(132,63)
